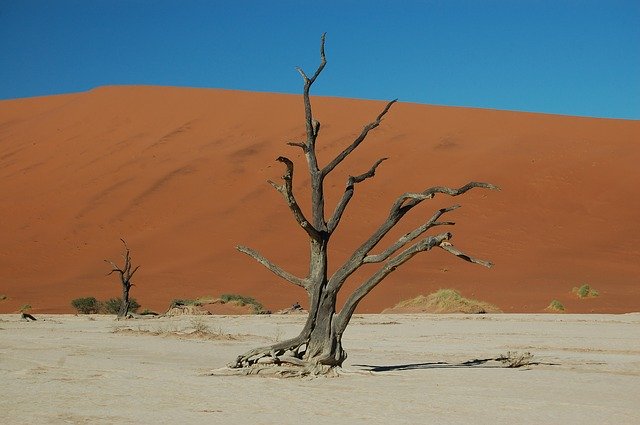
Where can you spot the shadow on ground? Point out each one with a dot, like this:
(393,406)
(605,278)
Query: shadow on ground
(494,362)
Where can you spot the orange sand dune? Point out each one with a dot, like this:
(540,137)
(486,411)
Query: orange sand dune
(180,174)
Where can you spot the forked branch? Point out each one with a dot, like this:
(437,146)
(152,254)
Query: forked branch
(414,234)
(348,194)
(426,244)
(275,269)
(311,127)
(401,206)
(365,131)
(286,189)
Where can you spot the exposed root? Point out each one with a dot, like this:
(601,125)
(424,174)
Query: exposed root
(288,352)
(280,370)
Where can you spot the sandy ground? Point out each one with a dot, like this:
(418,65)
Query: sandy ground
(410,369)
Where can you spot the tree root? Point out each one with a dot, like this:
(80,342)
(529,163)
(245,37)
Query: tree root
(281,370)
(286,352)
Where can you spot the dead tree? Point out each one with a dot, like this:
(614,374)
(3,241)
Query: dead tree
(318,348)
(126,274)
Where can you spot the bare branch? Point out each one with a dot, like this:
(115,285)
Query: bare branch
(408,237)
(278,271)
(301,72)
(371,173)
(401,206)
(416,198)
(323,59)
(115,267)
(299,145)
(389,267)
(367,128)
(309,121)
(348,194)
(286,190)
(453,250)
(134,271)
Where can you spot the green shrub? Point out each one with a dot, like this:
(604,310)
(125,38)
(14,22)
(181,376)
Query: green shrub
(585,291)
(555,305)
(112,305)
(242,300)
(86,305)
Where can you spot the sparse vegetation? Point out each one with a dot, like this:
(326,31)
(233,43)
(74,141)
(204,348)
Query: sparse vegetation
(515,359)
(199,325)
(555,305)
(113,305)
(3,297)
(90,305)
(24,308)
(585,291)
(242,300)
(447,301)
(86,305)
(147,312)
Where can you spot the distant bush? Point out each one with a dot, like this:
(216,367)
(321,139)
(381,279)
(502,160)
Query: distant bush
(242,300)
(585,291)
(3,297)
(112,305)
(25,308)
(555,305)
(147,312)
(86,305)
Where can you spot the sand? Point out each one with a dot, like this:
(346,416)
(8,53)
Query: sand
(404,369)
(181,175)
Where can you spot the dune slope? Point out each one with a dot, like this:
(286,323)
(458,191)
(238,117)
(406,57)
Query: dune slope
(181,175)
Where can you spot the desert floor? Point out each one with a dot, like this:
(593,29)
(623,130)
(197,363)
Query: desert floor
(404,369)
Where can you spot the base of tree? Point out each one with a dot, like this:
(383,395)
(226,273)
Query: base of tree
(282,370)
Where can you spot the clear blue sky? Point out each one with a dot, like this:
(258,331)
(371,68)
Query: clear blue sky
(574,57)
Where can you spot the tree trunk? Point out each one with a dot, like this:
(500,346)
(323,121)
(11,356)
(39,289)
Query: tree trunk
(124,307)
(325,344)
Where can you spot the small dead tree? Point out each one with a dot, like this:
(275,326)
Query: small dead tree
(126,274)
(318,348)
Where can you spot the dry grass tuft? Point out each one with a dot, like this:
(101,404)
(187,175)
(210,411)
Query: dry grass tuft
(445,301)
(515,359)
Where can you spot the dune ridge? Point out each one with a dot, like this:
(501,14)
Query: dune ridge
(180,174)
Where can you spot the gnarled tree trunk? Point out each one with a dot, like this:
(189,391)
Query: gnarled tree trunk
(318,348)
